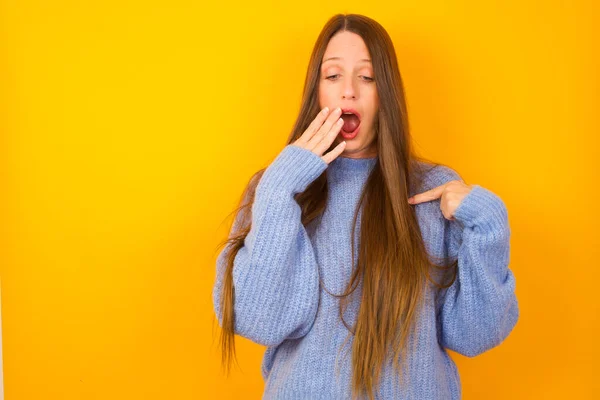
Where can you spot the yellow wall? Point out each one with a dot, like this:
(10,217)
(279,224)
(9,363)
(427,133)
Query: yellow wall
(130,128)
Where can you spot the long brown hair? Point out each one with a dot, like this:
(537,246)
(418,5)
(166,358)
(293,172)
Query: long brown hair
(392,260)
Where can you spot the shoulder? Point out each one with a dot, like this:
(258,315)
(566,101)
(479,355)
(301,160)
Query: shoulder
(430,175)
(429,215)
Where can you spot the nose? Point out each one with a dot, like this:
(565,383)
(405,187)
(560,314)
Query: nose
(348,91)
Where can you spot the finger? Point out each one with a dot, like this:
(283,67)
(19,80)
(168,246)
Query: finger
(314,126)
(429,195)
(332,155)
(324,129)
(326,141)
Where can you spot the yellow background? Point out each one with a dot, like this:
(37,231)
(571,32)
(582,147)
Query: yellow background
(130,128)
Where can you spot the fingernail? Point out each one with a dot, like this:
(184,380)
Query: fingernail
(325,110)
(338,109)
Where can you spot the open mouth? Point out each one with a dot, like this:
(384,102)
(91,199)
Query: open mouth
(351,122)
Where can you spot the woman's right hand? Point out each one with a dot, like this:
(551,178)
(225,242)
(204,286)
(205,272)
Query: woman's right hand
(321,133)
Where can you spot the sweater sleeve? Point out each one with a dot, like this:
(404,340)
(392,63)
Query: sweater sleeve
(479,310)
(275,274)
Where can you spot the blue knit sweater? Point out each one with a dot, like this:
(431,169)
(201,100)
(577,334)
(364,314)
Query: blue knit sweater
(280,304)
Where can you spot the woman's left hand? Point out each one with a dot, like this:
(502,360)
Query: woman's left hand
(452,194)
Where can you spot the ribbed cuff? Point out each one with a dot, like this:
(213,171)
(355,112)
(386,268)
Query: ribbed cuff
(293,170)
(481,207)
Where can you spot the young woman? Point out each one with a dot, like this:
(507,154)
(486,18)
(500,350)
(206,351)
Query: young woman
(355,261)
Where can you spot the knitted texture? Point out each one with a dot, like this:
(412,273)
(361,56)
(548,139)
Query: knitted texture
(280,302)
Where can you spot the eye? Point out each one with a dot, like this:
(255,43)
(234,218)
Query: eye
(366,78)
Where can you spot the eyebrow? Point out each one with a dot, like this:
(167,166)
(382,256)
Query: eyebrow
(340,58)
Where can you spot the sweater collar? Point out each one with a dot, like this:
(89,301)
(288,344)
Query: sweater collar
(353,164)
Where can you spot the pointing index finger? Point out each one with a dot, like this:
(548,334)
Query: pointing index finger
(428,195)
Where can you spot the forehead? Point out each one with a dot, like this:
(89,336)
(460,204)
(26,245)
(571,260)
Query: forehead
(346,47)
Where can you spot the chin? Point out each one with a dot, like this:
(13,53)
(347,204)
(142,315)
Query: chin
(356,146)
(353,145)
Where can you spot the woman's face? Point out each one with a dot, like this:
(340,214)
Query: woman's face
(346,82)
